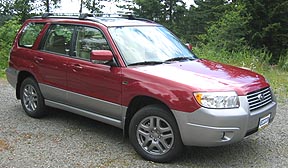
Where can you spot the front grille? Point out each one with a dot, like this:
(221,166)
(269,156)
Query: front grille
(259,98)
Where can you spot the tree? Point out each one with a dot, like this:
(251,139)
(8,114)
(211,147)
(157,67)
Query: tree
(24,8)
(170,13)
(206,12)
(150,9)
(229,32)
(5,10)
(268,26)
(172,9)
(92,5)
(49,3)
(126,6)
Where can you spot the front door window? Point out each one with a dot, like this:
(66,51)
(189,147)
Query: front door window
(89,39)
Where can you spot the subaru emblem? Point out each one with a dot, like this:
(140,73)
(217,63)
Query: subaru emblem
(260,97)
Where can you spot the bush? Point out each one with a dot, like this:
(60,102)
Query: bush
(7,34)
(283,61)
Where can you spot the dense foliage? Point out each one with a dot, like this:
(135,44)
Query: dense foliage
(268,26)
(7,35)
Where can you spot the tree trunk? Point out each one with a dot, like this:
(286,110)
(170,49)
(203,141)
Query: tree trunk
(47,6)
(81,5)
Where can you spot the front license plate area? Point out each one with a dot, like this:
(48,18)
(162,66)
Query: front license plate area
(264,121)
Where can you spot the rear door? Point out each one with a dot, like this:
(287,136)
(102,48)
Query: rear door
(52,59)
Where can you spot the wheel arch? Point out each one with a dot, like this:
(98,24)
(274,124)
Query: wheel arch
(21,76)
(137,103)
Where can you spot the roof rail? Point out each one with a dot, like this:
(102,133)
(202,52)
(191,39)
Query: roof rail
(83,16)
(143,19)
(46,15)
(126,15)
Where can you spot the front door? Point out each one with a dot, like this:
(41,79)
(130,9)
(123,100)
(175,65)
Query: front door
(93,86)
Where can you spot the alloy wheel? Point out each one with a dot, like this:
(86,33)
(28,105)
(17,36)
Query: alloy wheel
(155,135)
(30,98)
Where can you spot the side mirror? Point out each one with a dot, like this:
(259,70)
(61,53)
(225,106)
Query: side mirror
(189,46)
(101,55)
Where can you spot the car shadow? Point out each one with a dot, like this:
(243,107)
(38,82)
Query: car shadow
(74,121)
(245,151)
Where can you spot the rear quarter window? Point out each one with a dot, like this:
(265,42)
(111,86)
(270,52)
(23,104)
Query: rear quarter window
(30,34)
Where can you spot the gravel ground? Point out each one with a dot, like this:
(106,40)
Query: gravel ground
(63,140)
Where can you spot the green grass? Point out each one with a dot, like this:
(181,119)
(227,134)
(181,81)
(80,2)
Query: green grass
(279,82)
(2,74)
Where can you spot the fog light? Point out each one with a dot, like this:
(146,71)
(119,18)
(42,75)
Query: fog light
(227,135)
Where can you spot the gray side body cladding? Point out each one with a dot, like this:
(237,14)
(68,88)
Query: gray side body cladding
(103,111)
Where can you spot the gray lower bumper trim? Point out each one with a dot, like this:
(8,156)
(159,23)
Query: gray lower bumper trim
(12,75)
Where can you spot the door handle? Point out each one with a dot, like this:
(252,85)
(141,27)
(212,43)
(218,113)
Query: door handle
(38,59)
(76,67)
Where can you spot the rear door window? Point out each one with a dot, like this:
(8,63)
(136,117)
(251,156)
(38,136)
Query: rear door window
(30,34)
(58,39)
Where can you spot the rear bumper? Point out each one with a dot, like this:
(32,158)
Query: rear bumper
(215,127)
(12,75)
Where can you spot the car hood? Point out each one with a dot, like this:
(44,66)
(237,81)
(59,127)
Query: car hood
(205,75)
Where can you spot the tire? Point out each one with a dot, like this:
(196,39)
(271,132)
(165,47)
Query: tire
(159,142)
(31,98)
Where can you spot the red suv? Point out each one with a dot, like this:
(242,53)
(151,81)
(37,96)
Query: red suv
(136,75)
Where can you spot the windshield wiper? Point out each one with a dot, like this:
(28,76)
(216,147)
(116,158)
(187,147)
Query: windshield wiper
(178,59)
(146,63)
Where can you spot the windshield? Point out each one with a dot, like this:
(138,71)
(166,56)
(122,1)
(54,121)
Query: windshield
(146,44)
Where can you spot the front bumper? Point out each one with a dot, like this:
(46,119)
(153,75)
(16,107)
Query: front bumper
(215,127)
(12,75)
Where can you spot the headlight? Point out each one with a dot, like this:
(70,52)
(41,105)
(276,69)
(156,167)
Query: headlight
(217,99)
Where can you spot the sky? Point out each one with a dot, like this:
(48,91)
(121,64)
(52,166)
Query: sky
(73,6)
